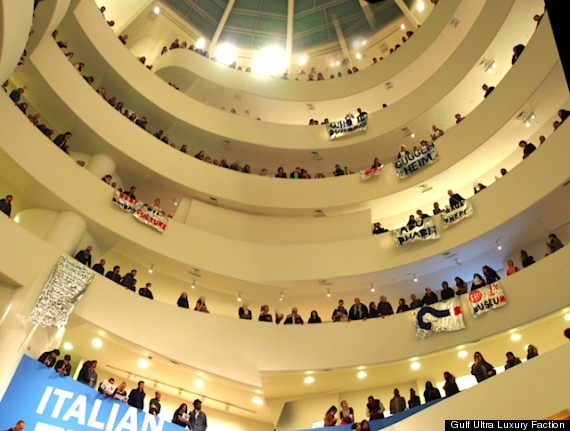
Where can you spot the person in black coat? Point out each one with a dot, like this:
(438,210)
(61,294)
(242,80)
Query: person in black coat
(136,396)
(99,267)
(6,205)
(358,310)
(129,280)
(491,275)
(114,275)
(49,358)
(84,256)
(183,300)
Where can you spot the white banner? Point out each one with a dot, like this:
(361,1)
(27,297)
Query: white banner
(151,217)
(443,316)
(348,125)
(416,160)
(126,203)
(486,298)
(453,215)
(426,231)
(367,173)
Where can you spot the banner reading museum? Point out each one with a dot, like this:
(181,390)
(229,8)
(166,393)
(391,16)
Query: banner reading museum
(416,160)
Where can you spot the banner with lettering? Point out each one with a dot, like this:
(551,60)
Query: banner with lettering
(367,173)
(337,129)
(443,316)
(486,298)
(423,232)
(152,218)
(126,203)
(416,160)
(144,214)
(48,401)
(453,215)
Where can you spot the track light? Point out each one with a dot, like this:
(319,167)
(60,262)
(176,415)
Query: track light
(328,293)
(239,297)
(415,278)
(193,284)
(151,269)
(281,296)
(499,247)
(372,288)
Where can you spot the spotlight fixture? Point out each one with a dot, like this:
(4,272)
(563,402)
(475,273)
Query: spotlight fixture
(193,284)
(156,10)
(309,379)
(372,288)
(281,296)
(499,247)
(413,135)
(415,278)
(175,202)
(328,293)
(151,269)
(239,297)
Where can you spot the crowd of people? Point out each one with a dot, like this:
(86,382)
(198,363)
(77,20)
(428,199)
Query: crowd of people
(375,409)
(301,75)
(196,419)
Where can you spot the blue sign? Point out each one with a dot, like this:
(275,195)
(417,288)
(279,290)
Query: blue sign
(48,401)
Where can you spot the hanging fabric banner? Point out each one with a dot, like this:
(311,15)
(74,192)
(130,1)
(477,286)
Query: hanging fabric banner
(126,203)
(486,298)
(152,217)
(348,125)
(367,173)
(443,316)
(454,215)
(66,285)
(426,231)
(416,160)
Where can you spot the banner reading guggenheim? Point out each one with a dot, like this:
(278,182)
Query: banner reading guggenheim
(426,231)
(443,316)
(416,160)
(48,401)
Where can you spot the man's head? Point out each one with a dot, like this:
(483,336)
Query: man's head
(68,135)
(157,395)
(428,290)
(413,296)
(396,392)
(148,285)
(341,303)
(116,269)
(357,301)
(522,144)
(111,380)
(55,353)
(102,262)
(67,358)
(133,189)
(93,364)
(140,385)
(510,356)
(197,404)
(294,310)
(134,272)
(19,426)
(9,198)
(89,248)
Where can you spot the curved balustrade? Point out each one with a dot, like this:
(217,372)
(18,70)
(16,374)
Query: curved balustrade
(426,51)
(60,81)
(15,23)
(90,198)
(47,17)
(240,339)
(167,106)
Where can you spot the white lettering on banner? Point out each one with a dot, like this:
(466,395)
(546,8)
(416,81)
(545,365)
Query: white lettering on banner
(80,413)
(78,410)
(337,129)
(453,215)
(416,160)
(426,231)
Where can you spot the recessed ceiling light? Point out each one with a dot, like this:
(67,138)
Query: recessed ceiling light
(156,10)
(97,343)
(309,379)
(362,374)
(143,363)
(257,400)
(567,317)
(516,337)
(462,354)
(67,346)
(402,26)
(358,56)
(198,383)
(415,365)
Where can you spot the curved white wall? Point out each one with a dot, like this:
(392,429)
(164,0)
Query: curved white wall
(15,23)
(245,260)
(283,346)
(107,127)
